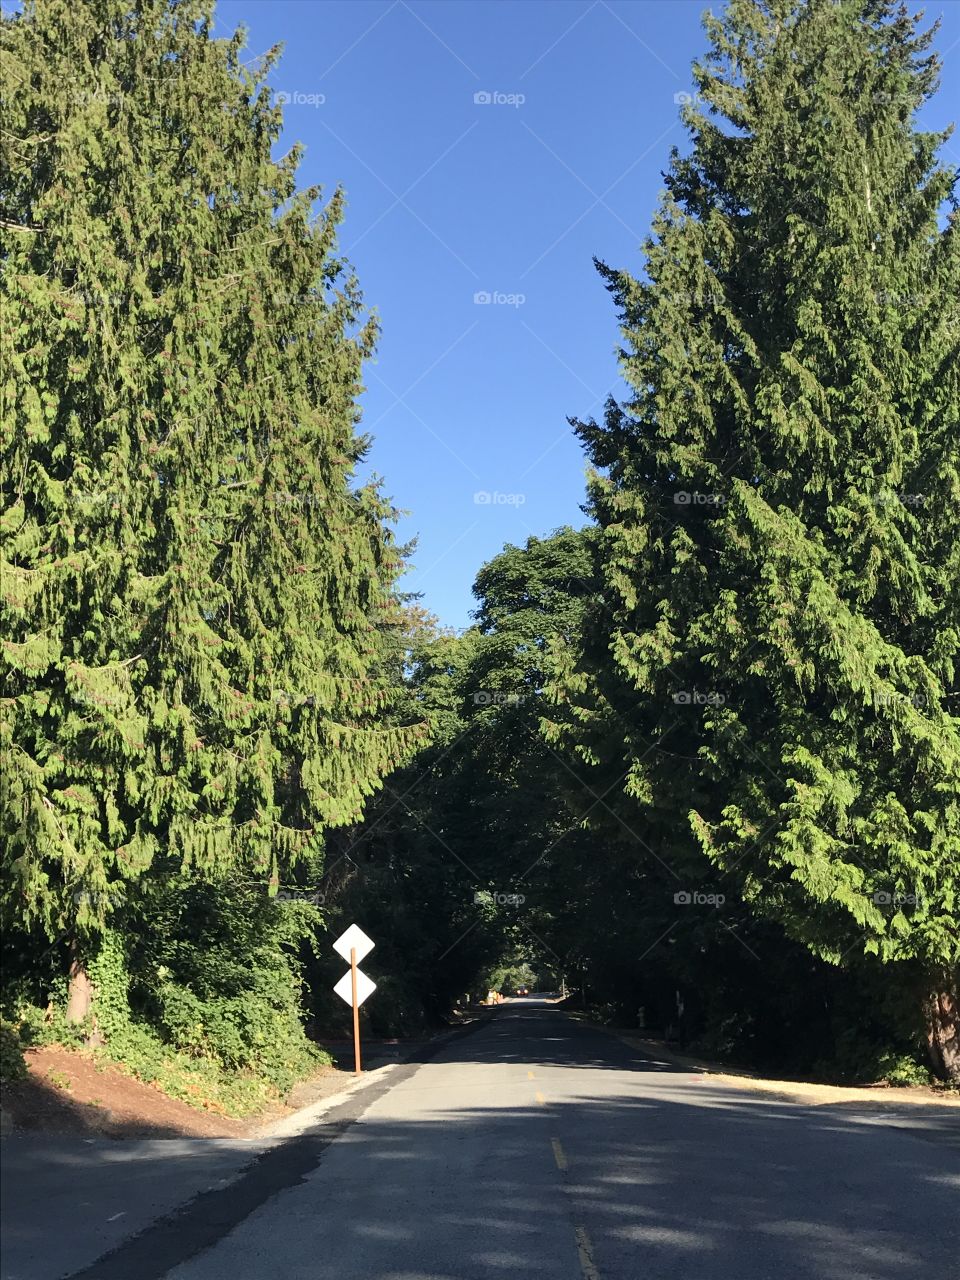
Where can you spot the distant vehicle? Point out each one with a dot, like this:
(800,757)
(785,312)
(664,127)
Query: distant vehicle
(522,991)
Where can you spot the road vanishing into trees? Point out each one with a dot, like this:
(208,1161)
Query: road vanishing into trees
(539,1148)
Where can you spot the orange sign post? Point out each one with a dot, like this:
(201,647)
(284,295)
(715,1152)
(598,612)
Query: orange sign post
(356,1011)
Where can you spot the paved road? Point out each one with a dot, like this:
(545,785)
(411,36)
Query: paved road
(538,1149)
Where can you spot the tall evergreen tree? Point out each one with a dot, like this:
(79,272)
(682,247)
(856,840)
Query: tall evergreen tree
(198,603)
(775,665)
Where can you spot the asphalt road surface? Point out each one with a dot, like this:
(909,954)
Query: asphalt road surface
(535,1148)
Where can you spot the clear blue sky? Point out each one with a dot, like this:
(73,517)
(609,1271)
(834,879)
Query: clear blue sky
(448,198)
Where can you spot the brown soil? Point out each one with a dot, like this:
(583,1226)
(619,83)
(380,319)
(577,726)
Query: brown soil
(70,1092)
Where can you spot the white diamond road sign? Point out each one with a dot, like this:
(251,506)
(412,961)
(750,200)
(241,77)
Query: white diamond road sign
(355,938)
(365,987)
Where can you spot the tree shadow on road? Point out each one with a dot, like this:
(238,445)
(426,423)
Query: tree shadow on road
(655,1172)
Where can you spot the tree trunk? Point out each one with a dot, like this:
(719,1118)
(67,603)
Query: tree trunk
(80,995)
(943,1026)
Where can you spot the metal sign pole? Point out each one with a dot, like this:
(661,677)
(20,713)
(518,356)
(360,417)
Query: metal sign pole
(356,1011)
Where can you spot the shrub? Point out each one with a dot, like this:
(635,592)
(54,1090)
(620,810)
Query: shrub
(12,1064)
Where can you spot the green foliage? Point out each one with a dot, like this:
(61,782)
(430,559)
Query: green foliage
(210,971)
(198,605)
(199,992)
(510,977)
(860,1059)
(12,1064)
(49,1025)
(899,1069)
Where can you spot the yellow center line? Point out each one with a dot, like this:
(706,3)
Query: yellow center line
(540,1098)
(529,1075)
(585,1251)
(559,1154)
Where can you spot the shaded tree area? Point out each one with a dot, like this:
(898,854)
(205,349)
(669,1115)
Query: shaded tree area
(492,855)
(447,869)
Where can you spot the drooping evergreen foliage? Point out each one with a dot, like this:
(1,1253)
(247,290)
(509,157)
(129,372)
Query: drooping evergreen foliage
(773,669)
(200,627)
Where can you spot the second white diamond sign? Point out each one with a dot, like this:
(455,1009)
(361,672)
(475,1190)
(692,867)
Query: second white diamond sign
(365,987)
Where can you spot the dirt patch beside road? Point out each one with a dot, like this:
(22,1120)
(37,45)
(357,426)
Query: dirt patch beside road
(72,1092)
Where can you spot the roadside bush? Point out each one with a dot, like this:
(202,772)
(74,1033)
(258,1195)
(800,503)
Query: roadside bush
(214,969)
(12,1064)
(197,989)
(862,1058)
(902,1069)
